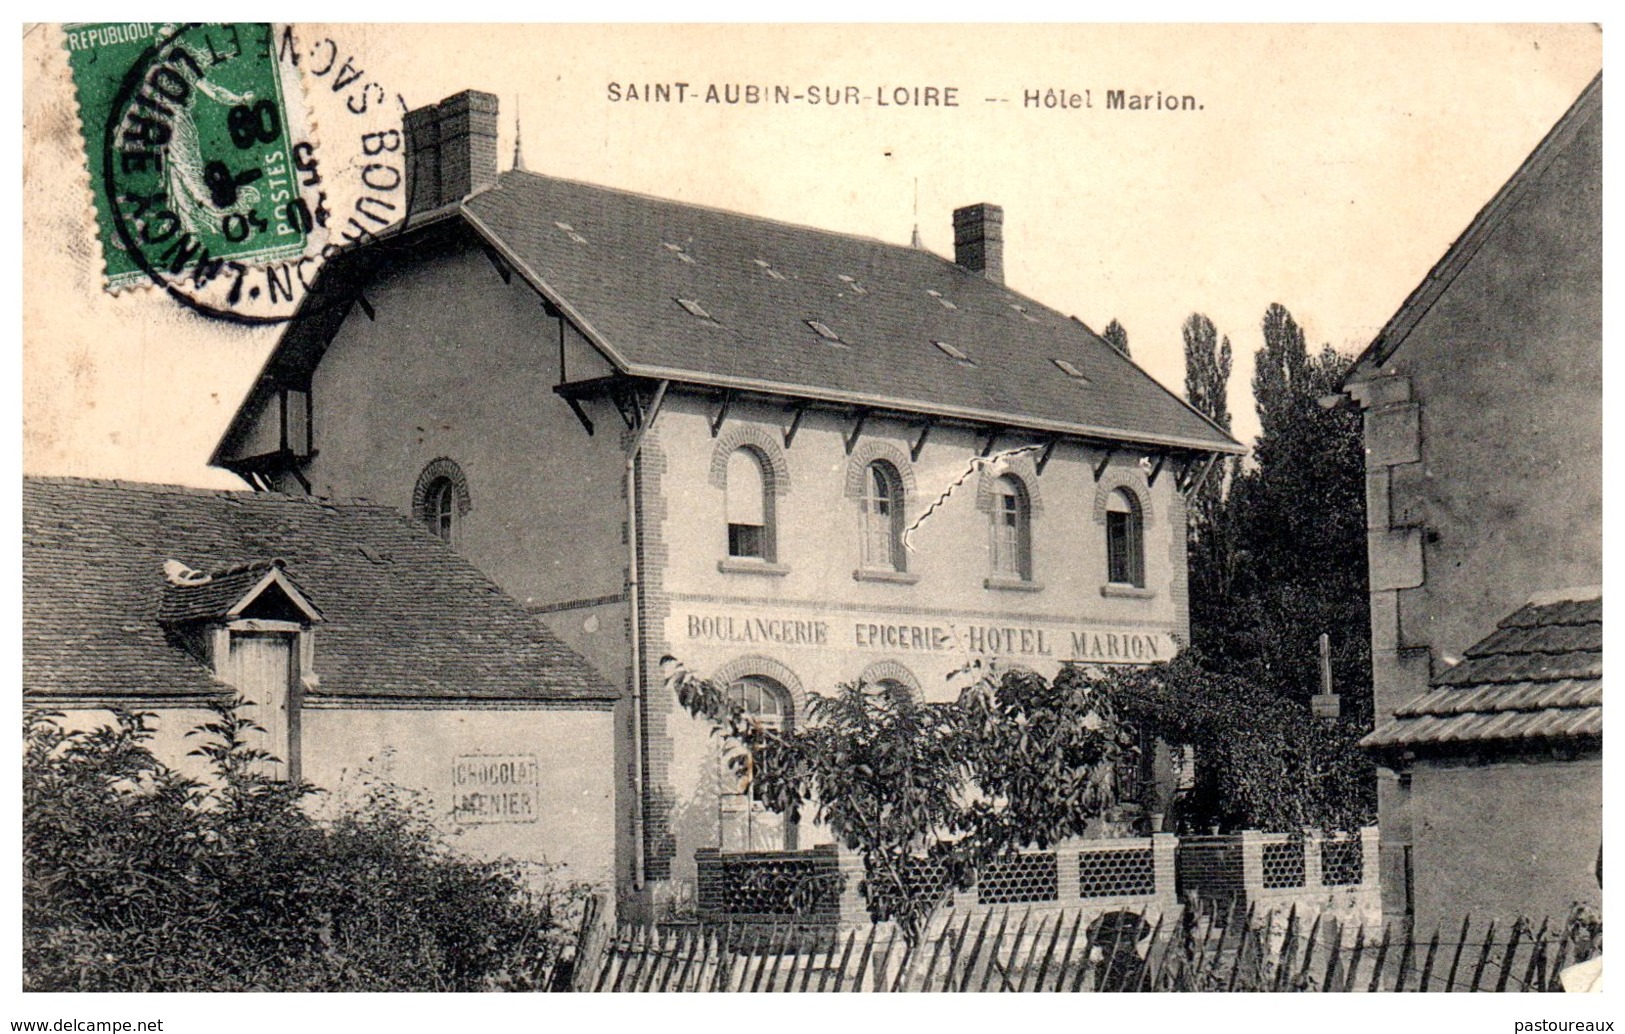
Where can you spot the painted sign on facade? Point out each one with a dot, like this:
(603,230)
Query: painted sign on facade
(490,788)
(1091,644)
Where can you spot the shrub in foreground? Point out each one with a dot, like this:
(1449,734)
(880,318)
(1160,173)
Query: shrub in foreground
(136,878)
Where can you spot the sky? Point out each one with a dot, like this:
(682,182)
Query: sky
(1326,168)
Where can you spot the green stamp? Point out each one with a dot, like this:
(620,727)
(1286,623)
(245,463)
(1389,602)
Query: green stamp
(199,161)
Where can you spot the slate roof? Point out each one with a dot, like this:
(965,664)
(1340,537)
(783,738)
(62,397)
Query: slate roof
(1537,677)
(405,617)
(1586,107)
(621,264)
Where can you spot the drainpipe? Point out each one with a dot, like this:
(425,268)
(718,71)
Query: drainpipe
(635,604)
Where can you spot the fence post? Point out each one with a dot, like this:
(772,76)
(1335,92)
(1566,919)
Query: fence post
(1313,877)
(1164,867)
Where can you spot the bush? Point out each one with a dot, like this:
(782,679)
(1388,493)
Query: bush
(1262,761)
(136,878)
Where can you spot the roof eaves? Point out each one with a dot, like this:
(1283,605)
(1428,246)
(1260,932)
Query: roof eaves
(1228,445)
(345,252)
(1137,368)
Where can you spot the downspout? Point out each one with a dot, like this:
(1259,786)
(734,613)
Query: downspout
(635,605)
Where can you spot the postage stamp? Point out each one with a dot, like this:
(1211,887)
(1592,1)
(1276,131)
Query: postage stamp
(200,158)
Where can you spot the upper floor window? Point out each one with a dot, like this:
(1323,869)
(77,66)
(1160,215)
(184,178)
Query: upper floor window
(440,499)
(1012,529)
(749,507)
(883,518)
(1125,540)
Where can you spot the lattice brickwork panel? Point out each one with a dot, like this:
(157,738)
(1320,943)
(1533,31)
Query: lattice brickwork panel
(1342,862)
(757,886)
(1105,874)
(1023,878)
(1283,865)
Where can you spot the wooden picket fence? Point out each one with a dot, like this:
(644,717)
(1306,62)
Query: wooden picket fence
(1029,951)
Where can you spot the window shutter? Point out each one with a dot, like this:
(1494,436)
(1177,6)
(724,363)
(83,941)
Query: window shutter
(746,489)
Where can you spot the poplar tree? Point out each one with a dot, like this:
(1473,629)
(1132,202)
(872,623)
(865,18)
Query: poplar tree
(1116,336)
(1207,383)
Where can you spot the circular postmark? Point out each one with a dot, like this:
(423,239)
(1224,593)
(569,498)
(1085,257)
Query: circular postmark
(208,172)
(205,165)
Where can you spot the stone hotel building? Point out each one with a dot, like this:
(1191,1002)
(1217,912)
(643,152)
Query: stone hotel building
(787,457)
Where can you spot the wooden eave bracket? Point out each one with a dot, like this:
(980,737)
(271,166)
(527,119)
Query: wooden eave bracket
(919,443)
(1196,482)
(1151,479)
(859,418)
(724,402)
(366,307)
(1043,457)
(581,414)
(1100,468)
(987,443)
(795,423)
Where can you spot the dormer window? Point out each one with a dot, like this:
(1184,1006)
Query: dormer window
(252,624)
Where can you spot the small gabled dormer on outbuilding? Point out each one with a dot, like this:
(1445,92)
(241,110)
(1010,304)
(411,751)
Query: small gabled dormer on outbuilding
(251,624)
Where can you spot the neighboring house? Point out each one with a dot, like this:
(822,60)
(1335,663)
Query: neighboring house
(787,457)
(363,644)
(1483,430)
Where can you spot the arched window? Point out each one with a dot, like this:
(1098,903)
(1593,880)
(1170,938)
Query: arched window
(763,698)
(440,508)
(440,499)
(1012,530)
(746,823)
(1125,540)
(749,506)
(883,518)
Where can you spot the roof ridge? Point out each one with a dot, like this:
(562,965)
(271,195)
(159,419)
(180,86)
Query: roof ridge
(170,488)
(1570,594)
(732,214)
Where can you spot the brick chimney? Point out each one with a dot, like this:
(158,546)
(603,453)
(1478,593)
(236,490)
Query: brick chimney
(451,150)
(979,240)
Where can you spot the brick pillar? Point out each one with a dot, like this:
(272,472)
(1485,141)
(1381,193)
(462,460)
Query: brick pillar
(1252,862)
(853,908)
(1314,878)
(1164,859)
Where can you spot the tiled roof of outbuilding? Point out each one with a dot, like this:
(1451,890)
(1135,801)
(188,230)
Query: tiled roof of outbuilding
(215,597)
(1538,676)
(404,616)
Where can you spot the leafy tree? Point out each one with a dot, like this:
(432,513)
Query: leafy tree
(927,794)
(1262,761)
(136,878)
(1116,336)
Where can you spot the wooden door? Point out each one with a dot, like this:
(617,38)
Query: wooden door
(262,670)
